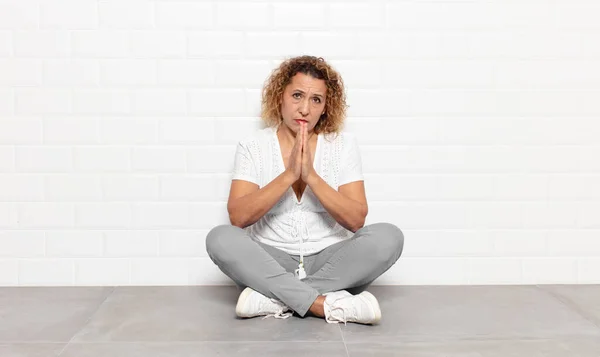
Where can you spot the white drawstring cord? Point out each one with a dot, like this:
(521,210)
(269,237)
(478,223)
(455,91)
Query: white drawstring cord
(300,272)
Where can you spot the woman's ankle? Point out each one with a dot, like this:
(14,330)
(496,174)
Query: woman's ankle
(317,309)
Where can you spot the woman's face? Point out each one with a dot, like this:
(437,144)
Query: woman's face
(303,99)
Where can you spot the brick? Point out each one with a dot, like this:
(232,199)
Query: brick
(101,43)
(538,215)
(217,102)
(186,72)
(73,188)
(259,45)
(307,16)
(80,14)
(159,101)
(9,272)
(183,243)
(67,244)
(7,101)
(46,215)
(46,272)
(101,101)
(162,271)
(134,187)
(103,215)
(7,159)
(9,215)
(211,44)
(101,272)
(136,14)
(158,159)
(499,271)
(549,270)
(21,187)
(123,130)
(242,15)
(187,131)
(127,72)
(184,15)
(43,101)
(20,130)
(71,131)
(6,43)
(160,215)
(210,159)
(19,15)
(44,159)
(242,73)
(22,244)
(71,72)
(158,44)
(190,188)
(207,215)
(124,244)
(102,159)
(21,72)
(41,43)
(361,15)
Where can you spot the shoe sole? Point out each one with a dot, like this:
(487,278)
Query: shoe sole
(373,300)
(242,301)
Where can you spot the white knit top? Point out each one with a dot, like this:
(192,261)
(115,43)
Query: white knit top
(291,225)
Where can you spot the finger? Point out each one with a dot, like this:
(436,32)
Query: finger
(305,132)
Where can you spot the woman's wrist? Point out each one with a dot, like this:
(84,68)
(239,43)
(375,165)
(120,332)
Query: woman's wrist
(289,177)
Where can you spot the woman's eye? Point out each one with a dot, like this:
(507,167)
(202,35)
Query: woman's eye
(296,95)
(317,100)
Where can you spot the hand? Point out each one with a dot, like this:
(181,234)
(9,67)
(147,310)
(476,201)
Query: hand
(294,166)
(308,169)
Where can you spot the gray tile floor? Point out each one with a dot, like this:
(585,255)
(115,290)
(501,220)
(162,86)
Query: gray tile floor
(200,321)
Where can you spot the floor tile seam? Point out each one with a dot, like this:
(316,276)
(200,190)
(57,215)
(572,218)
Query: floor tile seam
(475,338)
(87,321)
(393,339)
(344,340)
(572,306)
(25,342)
(180,342)
(429,343)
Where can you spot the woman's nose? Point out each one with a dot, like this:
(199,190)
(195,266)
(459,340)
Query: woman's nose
(304,107)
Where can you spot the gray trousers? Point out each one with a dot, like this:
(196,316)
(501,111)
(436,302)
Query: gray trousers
(350,265)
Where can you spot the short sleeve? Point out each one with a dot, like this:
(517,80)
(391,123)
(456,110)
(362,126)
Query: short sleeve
(244,167)
(351,162)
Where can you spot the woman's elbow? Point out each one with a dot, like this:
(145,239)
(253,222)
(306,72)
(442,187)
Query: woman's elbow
(234,217)
(360,222)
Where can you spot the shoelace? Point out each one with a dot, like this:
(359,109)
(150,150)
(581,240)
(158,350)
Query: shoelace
(343,319)
(279,314)
(333,307)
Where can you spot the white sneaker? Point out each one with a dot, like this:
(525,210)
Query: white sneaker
(251,303)
(341,306)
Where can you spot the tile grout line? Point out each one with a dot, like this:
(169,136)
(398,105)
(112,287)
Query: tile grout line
(570,305)
(86,322)
(344,341)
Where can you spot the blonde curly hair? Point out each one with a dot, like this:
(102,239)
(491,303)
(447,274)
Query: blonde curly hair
(335,102)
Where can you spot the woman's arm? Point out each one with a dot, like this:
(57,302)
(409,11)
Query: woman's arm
(348,206)
(247,203)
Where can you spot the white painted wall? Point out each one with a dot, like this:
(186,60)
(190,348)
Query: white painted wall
(477,120)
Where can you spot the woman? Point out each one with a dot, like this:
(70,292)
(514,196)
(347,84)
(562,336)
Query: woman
(304,250)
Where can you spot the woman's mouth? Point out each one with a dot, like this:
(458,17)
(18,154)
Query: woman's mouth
(300,121)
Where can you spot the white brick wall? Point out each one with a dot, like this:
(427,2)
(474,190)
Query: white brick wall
(119,119)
